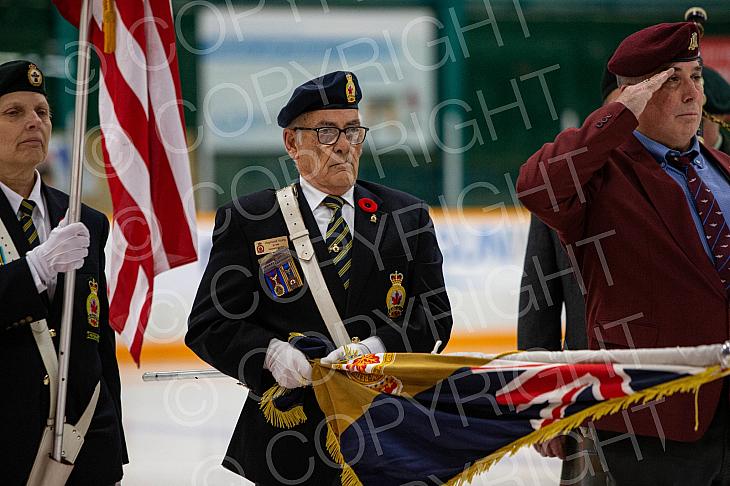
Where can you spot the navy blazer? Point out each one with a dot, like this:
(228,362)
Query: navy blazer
(235,315)
(546,285)
(25,405)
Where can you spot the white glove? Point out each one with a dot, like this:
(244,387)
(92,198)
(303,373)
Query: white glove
(290,367)
(63,251)
(371,345)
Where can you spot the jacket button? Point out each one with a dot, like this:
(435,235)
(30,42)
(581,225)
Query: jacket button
(604,119)
(46,380)
(52,332)
(599,124)
(28,319)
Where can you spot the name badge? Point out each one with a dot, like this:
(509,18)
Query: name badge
(262,247)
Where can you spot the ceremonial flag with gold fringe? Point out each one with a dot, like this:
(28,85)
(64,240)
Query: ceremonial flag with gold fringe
(397,417)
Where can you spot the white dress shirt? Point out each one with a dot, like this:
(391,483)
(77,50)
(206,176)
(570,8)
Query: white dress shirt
(323,214)
(41,221)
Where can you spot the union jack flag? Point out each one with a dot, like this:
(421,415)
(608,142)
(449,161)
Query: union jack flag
(405,418)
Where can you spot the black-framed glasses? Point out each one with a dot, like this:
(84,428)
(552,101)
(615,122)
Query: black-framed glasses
(330,135)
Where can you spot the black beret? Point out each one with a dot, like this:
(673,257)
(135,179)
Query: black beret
(21,76)
(717,92)
(608,83)
(333,91)
(647,50)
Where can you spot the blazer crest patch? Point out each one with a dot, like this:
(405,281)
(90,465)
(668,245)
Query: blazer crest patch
(280,272)
(92,304)
(396,296)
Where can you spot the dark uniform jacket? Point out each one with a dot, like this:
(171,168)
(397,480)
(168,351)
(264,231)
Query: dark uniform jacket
(546,285)
(25,404)
(235,315)
(650,282)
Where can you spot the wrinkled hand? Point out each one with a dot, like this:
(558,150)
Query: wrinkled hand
(636,96)
(290,367)
(63,251)
(370,345)
(555,447)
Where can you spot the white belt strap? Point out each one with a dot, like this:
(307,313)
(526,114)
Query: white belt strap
(305,252)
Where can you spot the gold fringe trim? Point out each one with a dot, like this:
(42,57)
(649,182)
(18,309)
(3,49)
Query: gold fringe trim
(283,419)
(348,476)
(108,26)
(681,385)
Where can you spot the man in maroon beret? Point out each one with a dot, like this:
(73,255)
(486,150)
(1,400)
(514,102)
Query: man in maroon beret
(643,204)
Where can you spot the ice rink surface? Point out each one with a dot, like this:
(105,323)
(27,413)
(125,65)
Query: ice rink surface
(177,433)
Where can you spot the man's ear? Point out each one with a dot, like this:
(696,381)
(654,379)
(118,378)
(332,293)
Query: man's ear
(290,142)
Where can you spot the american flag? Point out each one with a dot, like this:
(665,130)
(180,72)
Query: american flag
(145,153)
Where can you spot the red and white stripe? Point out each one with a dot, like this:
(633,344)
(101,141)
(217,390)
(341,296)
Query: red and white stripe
(146,159)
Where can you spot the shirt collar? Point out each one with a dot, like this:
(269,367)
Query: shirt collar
(315,197)
(660,151)
(35,195)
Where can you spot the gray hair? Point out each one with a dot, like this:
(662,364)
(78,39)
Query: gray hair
(628,81)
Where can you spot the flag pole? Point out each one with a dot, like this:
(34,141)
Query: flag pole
(82,85)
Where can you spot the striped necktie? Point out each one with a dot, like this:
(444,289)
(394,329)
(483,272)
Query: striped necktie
(338,239)
(26,221)
(713,222)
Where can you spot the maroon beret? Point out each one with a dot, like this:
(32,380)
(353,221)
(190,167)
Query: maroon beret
(647,50)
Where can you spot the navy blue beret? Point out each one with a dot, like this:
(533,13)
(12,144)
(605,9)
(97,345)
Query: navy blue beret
(333,91)
(21,76)
(717,92)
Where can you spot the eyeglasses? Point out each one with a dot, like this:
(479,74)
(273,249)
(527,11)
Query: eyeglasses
(330,135)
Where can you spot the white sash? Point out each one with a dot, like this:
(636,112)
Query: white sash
(299,236)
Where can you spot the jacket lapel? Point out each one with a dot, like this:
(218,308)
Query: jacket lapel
(13,225)
(56,208)
(671,205)
(367,236)
(329,271)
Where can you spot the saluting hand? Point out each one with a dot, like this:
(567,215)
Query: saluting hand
(636,96)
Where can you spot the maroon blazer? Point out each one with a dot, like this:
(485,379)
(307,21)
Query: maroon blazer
(649,281)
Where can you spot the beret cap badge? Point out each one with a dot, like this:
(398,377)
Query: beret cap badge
(350,90)
(35,77)
(338,90)
(693,43)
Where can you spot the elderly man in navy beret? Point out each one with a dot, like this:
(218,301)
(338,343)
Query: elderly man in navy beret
(379,268)
(645,204)
(36,248)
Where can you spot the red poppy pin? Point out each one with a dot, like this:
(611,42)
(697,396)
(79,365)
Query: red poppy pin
(367,205)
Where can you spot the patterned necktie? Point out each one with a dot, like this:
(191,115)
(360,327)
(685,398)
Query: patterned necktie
(29,229)
(338,240)
(713,222)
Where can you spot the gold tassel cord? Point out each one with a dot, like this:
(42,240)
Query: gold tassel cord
(348,476)
(681,385)
(109,19)
(283,419)
(717,120)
